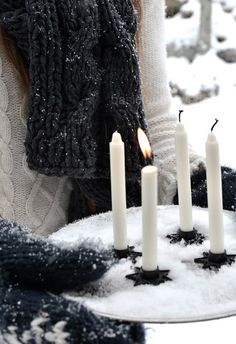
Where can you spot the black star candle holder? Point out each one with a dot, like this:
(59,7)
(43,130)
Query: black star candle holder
(127,253)
(213,261)
(190,238)
(155,277)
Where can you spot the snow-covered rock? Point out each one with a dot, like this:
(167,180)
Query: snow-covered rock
(228,55)
(173,7)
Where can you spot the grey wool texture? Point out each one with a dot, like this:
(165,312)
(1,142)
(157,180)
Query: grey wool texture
(32,261)
(84,85)
(32,273)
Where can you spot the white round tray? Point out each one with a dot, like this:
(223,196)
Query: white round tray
(193,294)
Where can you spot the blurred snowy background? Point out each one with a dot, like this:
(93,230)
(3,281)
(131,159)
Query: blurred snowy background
(201,44)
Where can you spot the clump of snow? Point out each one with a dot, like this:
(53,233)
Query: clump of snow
(228,5)
(181,32)
(191,80)
(192,294)
(223,25)
(188,9)
(73,241)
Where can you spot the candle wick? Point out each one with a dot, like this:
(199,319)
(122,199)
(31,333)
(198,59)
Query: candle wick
(216,121)
(180,112)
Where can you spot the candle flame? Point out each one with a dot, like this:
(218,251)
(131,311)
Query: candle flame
(144,144)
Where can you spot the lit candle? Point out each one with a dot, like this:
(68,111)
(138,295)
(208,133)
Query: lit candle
(183,178)
(118,191)
(149,209)
(214,194)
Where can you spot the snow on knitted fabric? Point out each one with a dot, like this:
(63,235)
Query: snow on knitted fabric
(37,317)
(121,95)
(34,316)
(121,89)
(27,259)
(84,83)
(199,188)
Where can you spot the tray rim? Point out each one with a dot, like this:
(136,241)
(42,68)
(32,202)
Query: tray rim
(165,321)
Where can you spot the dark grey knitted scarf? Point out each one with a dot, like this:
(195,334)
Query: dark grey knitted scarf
(84,85)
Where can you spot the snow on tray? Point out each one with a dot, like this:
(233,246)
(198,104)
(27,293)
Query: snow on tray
(193,294)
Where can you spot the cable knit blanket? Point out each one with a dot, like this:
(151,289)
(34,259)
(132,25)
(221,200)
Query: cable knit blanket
(33,271)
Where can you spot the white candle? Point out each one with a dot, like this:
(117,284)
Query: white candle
(183,179)
(149,218)
(118,191)
(214,195)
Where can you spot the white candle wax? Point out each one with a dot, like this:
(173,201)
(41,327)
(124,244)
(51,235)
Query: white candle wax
(214,195)
(149,218)
(118,191)
(183,179)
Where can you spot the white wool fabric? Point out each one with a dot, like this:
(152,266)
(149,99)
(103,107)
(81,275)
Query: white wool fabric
(157,96)
(32,199)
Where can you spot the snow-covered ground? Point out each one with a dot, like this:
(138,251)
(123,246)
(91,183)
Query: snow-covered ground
(206,72)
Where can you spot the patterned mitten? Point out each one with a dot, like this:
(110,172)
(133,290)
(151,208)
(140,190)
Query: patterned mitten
(29,316)
(29,260)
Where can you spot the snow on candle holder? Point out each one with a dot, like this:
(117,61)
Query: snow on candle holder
(189,238)
(127,253)
(149,273)
(217,255)
(154,277)
(214,261)
(186,232)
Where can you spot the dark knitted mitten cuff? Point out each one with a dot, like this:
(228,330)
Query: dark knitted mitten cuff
(199,188)
(29,260)
(28,316)
(78,205)
(98,191)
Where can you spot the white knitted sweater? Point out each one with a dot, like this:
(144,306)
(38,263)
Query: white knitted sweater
(40,202)
(30,198)
(157,97)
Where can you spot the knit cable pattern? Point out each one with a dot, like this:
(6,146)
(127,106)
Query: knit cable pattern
(121,95)
(6,158)
(84,84)
(26,196)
